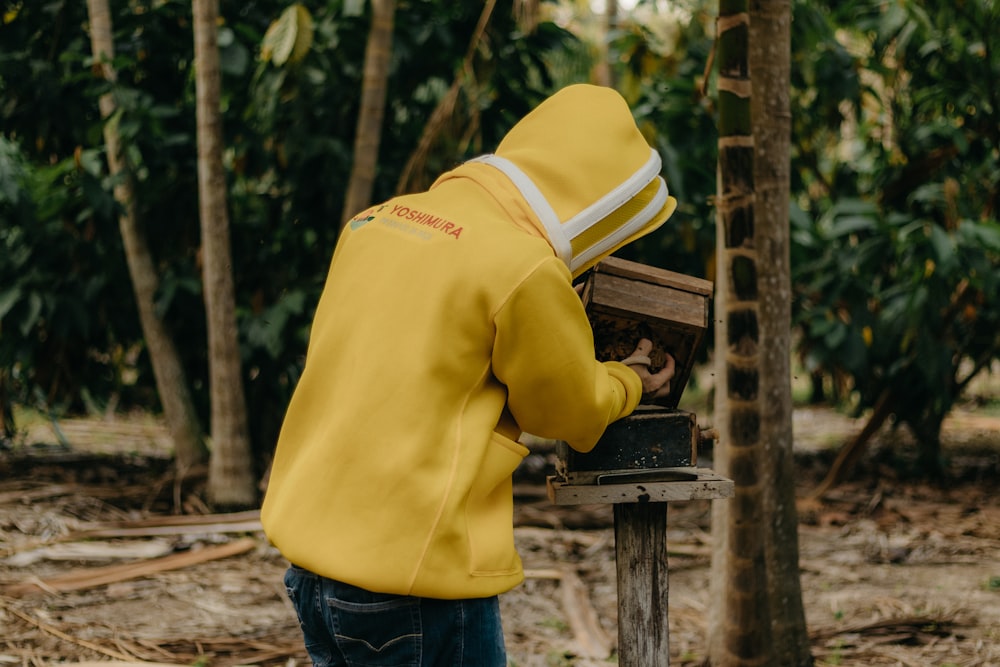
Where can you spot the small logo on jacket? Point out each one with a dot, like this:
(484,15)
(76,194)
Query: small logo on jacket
(362,219)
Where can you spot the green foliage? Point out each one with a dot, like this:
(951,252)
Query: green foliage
(897,245)
(674,108)
(58,334)
(288,125)
(896,160)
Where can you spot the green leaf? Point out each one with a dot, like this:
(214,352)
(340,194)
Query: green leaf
(354,7)
(943,244)
(288,39)
(835,336)
(8,298)
(984,233)
(850,224)
(34,309)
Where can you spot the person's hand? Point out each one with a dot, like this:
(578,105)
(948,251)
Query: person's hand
(654,385)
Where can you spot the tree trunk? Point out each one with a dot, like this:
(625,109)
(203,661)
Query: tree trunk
(171,382)
(413,177)
(604,74)
(770,54)
(230,480)
(372,109)
(740,631)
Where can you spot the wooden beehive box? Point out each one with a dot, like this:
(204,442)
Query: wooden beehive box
(626,301)
(653,443)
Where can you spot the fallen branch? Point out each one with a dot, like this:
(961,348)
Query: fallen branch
(62,635)
(582,617)
(850,453)
(178,529)
(92,577)
(911,625)
(236,522)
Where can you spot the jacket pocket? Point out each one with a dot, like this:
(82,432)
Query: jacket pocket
(489,512)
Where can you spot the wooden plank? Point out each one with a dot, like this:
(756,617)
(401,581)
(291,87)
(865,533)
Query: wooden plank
(250,526)
(92,577)
(628,298)
(183,520)
(652,274)
(90,550)
(641,563)
(706,486)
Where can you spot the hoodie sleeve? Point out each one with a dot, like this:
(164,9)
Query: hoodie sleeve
(544,354)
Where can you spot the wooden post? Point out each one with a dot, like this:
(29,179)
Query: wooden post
(641,561)
(640,510)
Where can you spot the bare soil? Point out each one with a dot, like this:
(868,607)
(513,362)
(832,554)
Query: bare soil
(895,571)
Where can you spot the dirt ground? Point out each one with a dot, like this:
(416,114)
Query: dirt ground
(96,566)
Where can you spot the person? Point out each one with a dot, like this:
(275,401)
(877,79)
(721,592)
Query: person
(448,327)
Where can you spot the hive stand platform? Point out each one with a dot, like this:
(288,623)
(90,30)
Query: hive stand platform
(640,514)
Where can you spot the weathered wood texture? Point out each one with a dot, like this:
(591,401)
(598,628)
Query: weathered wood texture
(641,560)
(704,485)
(626,301)
(648,440)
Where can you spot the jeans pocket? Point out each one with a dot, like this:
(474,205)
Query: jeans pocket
(302,588)
(381,631)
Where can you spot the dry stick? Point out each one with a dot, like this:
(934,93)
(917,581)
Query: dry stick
(908,624)
(236,522)
(62,635)
(853,450)
(582,617)
(105,575)
(179,529)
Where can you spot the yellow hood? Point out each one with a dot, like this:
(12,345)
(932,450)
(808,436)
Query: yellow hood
(587,173)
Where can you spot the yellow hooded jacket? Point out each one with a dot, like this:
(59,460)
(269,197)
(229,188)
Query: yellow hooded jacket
(448,326)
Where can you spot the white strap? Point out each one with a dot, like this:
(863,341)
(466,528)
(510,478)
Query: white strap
(635,224)
(537,201)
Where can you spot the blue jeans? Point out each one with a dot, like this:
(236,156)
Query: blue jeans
(348,626)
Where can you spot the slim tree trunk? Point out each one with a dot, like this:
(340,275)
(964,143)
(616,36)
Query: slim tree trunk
(373,93)
(171,382)
(604,74)
(770,54)
(740,629)
(230,481)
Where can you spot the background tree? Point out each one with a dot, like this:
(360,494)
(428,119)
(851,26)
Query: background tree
(894,156)
(769,59)
(171,380)
(757,613)
(896,221)
(378,50)
(71,338)
(740,632)
(230,478)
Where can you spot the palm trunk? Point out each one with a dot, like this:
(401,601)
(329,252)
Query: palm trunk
(740,634)
(171,381)
(230,482)
(372,109)
(770,53)
(604,74)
